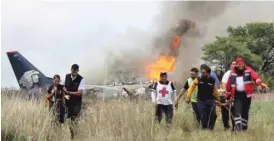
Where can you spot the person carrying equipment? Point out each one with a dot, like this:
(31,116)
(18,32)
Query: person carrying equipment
(207,90)
(240,89)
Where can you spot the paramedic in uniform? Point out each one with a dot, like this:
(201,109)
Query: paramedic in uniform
(163,94)
(240,88)
(74,84)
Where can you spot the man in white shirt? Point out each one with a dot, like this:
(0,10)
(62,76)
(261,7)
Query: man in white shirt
(163,94)
(74,84)
(226,75)
(224,109)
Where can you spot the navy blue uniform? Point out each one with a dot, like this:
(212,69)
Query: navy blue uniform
(206,103)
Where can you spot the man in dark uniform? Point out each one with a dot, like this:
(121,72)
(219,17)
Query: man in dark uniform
(207,90)
(74,84)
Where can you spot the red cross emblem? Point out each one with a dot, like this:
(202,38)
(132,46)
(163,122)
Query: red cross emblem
(163,91)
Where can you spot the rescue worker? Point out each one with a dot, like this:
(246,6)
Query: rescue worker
(163,94)
(189,82)
(56,93)
(212,74)
(229,105)
(207,90)
(74,84)
(240,88)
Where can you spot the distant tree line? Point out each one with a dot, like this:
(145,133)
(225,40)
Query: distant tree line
(253,41)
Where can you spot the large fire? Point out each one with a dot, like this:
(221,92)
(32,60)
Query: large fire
(167,63)
(163,64)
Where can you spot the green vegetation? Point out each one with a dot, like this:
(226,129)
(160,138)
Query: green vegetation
(125,121)
(254,42)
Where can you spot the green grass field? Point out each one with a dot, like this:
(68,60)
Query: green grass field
(121,120)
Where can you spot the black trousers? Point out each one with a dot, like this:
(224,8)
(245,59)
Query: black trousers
(73,111)
(167,109)
(73,114)
(226,114)
(59,110)
(196,112)
(241,113)
(207,109)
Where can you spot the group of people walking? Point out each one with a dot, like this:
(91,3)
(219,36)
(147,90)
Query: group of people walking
(233,92)
(204,92)
(66,97)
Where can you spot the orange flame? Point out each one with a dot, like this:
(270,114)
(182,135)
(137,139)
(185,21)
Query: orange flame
(176,41)
(163,64)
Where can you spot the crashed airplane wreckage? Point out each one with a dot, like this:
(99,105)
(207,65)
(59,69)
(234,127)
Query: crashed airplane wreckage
(131,92)
(167,48)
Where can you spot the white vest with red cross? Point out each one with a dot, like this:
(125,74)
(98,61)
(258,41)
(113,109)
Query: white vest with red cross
(164,94)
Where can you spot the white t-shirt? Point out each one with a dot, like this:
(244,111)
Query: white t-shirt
(226,76)
(240,84)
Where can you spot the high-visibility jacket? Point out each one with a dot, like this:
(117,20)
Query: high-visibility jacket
(249,76)
(194,93)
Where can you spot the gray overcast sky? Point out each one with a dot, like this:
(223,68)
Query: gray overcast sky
(48,33)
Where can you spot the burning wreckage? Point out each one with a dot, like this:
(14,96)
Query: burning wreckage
(168,50)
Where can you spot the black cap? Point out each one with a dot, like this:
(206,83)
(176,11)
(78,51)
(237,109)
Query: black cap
(75,67)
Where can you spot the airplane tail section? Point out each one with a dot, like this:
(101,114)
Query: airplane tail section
(27,75)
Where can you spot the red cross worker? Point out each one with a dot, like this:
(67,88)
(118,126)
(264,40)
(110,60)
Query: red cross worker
(163,94)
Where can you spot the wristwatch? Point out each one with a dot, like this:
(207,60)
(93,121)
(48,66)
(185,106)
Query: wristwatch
(69,93)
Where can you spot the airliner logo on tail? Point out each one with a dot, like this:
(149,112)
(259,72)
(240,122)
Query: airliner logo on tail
(29,78)
(27,75)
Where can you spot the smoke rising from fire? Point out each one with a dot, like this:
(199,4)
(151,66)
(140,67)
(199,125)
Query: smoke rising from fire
(196,23)
(209,19)
(187,20)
